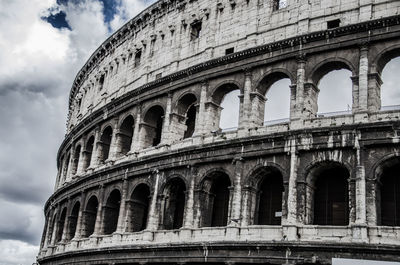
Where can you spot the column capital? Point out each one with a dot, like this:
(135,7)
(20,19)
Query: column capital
(364,46)
(248,71)
(301,57)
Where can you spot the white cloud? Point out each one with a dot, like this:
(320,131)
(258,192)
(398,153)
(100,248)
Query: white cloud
(17,252)
(126,9)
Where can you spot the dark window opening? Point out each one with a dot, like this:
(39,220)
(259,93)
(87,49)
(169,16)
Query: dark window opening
(158,76)
(73,220)
(331,202)
(174,204)
(111,212)
(138,207)
(126,135)
(89,217)
(152,44)
(270,200)
(190,121)
(153,123)
(333,23)
(229,51)
(279,4)
(390,196)
(138,55)
(101,82)
(195,30)
(88,153)
(60,225)
(105,142)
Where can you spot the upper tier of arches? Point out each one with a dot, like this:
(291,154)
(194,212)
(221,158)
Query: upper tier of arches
(159,42)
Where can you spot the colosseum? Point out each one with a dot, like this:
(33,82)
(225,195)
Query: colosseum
(147,176)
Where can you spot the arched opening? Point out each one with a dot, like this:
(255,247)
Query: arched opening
(60,225)
(66,167)
(226,107)
(153,123)
(215,201)
(174,205)
(111,212)
(186,108)
(269,196)
(88,152)
(389,192)
(89,217)
(105,142)
(331,194)
(126,134)
(335,96)
(390,90)
(73,220)
(77,153)
(276,89)
(51,230)
(138,207)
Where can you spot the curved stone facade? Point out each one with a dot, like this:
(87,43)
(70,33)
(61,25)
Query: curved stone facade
(147,176)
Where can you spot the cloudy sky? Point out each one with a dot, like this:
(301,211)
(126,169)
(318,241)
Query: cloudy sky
(43,44)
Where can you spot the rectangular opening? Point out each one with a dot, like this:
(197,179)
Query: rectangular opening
(158,76)
(195,30)
(279,4)
(229,51)
(333,23)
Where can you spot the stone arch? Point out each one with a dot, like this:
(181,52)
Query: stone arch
(327,194)
(73,220)
(386,95)
(60,225)
(111,212)
(328,65)
(184,119)
(215,198)
(174,199)
(387,189)
(216,106)
(138,208)
(88,154)
(265,97)
(89,216)
(151,128)
(52,228)
(265,195)
(125,135)
(105,143)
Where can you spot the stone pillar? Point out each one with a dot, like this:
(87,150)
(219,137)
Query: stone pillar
(114,142)
(237,193)
(46,232)
(54,230)
(79,166)
(301,73)
(244,119)
(360,226)
(98,228)
(363,79)
(292,113)
(201,116)
(257,109)
(189,207)
(135,146)
(355,94)
(68,176)
(310,104)
(94,161)
(213,115)
(165,137)
(153,219)
(122,207)
(79,224)
(374,92)
(247,206)
(290,229)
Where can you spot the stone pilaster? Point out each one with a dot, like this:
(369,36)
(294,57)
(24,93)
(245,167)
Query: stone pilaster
(301,73)
(374,92)
(165,137)
(355,94)
(135,146)
(248,205)
(237,193)
(201,116)
(79,224)
(98,228)
(94,161)
(153,219)
(244,119)
(189,207)
(290,230)
(122,208)
(65,231)
(257,109)
(363,79)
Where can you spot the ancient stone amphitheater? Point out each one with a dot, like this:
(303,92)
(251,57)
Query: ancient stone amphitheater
(146,176)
